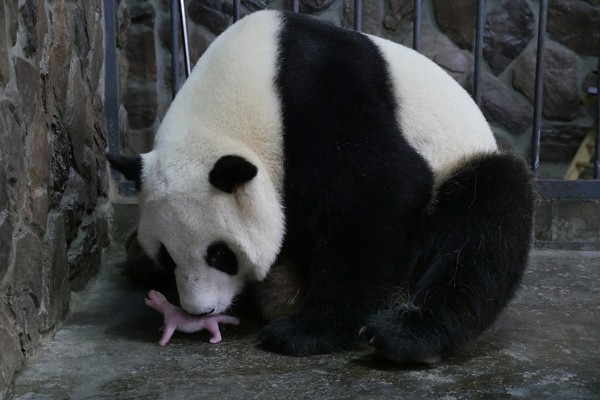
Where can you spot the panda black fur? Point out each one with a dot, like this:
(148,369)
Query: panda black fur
(358,162)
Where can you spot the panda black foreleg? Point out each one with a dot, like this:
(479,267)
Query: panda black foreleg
(468,261)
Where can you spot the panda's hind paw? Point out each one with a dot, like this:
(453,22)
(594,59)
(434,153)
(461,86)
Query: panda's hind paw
(297,336)
(398,340)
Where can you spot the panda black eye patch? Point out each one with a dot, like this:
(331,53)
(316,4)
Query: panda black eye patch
(220,257)
(165,260)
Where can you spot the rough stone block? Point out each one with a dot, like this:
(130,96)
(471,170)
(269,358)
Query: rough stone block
(141,103)
(457,20)
(213,14)
(85,251)
(92,12)
(11,356)
(6,227)
(123,25)
(575,24)
(4,58)
(508,29)
(76,111)
(55,274)
(399,15)
(12,19)
(13,146)
(28,19)
(39,157)
(80,34)
(560,91)
(25,294)
(60,53)
(141,53)
(73,204)
(96,55)
(142,14)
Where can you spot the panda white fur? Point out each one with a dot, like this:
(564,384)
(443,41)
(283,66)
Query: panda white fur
(357,161)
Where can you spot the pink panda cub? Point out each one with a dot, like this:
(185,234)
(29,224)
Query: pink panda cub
(176,318)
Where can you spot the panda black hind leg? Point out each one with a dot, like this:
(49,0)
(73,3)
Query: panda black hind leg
(467,264)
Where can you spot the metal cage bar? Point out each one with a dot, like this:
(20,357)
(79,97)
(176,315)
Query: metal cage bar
(539,86)
(174,47)
(186,45)
(236,11)
(295,6)
(597,140)
(179,26)
(111,78)
(111,94)
(358,15)
(478,51)
(417,25)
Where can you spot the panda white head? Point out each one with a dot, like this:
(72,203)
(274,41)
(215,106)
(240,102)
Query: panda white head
(216,220)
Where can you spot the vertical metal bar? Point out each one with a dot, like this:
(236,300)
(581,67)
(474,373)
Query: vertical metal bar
(478,51)
(111,80)
(597,141)
(236,10)
(295,6)
(358,15)
(539,86)
(186,45)
(174,47)
(417,25)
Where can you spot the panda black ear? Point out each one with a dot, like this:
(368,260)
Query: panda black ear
(231,171)
(129,166)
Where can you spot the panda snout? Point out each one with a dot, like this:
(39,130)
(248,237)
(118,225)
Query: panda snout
(195,310)
(204,313)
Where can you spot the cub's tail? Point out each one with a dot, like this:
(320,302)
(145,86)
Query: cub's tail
(467,262)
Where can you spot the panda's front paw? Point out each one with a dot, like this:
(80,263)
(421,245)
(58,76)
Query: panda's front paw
(300,336)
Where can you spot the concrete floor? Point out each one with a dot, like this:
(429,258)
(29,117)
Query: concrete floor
(546,346)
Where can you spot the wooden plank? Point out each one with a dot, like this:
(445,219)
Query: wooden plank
(583,156)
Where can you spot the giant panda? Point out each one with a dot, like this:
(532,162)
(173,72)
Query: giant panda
(300,149)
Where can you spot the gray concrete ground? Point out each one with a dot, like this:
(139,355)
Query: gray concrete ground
(546,346)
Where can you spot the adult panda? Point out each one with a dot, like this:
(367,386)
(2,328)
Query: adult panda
(350,161)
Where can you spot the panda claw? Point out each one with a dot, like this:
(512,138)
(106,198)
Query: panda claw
(362,330)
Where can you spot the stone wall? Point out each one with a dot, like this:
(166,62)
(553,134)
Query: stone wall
(53,181)
(447,38)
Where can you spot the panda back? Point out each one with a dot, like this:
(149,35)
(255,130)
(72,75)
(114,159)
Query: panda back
(437,116)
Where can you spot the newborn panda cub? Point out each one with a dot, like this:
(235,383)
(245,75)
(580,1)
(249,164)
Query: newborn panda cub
(177,319)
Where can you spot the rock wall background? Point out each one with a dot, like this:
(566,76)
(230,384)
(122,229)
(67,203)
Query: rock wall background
(53,182)
(448,33)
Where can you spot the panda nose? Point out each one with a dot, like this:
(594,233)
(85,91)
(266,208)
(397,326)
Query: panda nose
(194,310)
(205,313)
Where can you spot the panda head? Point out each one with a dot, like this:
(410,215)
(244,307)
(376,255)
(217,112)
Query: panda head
(215,220)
